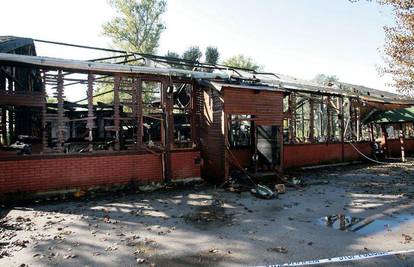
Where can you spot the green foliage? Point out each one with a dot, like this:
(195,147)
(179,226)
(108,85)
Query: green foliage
(212,55)
(137,26)
(243,62)
(399,43)
(325,79)
(172,54)
(193,53)
(107,98)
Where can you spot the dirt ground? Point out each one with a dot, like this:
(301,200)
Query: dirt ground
(207,226)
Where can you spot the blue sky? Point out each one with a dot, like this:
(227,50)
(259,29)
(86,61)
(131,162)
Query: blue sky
(295,37)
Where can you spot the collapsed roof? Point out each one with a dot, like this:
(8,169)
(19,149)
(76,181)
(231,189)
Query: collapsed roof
(217,76)
(392,116)
(11,43)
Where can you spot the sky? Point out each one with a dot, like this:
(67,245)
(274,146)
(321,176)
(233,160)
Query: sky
(301,38)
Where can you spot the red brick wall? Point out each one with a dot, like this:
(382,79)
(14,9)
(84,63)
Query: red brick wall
(296,155)
(56,173)
(395,147)
(267,106)
(185,164)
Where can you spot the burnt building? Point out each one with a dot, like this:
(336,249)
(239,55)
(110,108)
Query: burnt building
(166,119)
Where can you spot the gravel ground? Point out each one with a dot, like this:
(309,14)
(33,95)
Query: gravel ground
(206,226)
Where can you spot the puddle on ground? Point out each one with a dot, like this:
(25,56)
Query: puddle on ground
(365,226)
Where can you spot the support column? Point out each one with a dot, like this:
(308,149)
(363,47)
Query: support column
(3,126)
(60,112)
(44,114)
(312,120)
(138,106)
(167,103)
(292,116)
(90,125)
(117,121)
(329,119)
(3,110)
(385,136)
(342,122)
(371,129)
(401,135)
(358,123)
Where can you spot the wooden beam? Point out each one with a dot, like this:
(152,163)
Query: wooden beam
(341,117)
(12,79)
(167,103)
(402,137)
(4,126)
(117,122)
(312,120)
(329,119)
(358,122)
(139,111)
(102,68)
(90,125)
(292,117)
(385,137)
(371,129)
(61,112)
(44,115)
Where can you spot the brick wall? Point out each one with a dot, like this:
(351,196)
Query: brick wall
(267,106)
(395,147)
(295,155)
(185,164)
(37,174)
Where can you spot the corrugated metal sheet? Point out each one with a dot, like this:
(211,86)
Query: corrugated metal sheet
(392,116)
(10,43)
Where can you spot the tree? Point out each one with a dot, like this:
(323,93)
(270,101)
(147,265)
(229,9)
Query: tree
(241,61)
(172,54)
(137,26)
(193,53)
(399,47)
(212,55)
(325,79)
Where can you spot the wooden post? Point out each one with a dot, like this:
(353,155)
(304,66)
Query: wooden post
(117,121)
(342,121)
(226,126)
(11,121)
(385,136)
(292,116)
(3,110)
(90,123)
(329,120)
(3,126)
(371,127)
(312,120)
(358,123)
(138,105)
(44,113)
(167,103)
(61,113)
(401,135)
(2,81)
(351,118)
